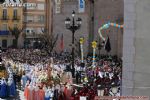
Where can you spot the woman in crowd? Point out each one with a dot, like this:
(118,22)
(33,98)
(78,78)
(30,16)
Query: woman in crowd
(3,88)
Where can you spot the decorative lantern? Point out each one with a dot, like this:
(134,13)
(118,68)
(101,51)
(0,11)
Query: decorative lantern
(94,44)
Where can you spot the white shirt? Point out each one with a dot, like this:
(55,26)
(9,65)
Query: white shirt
(78,68)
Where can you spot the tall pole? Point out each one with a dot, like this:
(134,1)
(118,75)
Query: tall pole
(81,47)
(94,45)
(73,32)
(73,28)
(99,47)
(91,34)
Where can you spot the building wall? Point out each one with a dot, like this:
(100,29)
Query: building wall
(142,40)
(35,19)
(10,22)
(110,10)
(35,16)
(49,16)
(135,48)
(59,26)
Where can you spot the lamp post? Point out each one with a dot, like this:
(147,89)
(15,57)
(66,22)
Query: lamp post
(73,26)
(91,23)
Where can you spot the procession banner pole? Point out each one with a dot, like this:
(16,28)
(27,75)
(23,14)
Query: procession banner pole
(81,47)
(94,45)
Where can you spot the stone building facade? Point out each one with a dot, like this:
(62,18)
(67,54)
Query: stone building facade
(10,17)
(108,11)
(34,21)
(136,80)
(131,43)
(67,6)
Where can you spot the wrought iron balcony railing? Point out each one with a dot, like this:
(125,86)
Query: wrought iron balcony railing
(4,18)
(16,18)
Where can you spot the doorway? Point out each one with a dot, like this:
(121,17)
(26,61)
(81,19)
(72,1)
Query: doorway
(4,43)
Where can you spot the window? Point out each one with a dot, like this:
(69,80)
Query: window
(30,19)
(4,13)
(4,43)
(30,6)
(41,18)
(57,6)
(27,31)
(15,14)
(15,25)
(40,6)
(32,31)
(4,27)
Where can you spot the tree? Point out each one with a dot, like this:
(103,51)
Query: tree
(15,32)
(49,41)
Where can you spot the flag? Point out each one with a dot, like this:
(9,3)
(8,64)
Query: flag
(107,45)
(62,43)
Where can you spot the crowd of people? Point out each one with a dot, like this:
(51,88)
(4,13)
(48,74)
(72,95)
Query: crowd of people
(44,77)
(7,85)
(106,76)
(31,56)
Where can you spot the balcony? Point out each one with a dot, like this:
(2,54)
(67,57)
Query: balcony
(4,18)
(32,35)
(34,23)
(4,33)
(16,18)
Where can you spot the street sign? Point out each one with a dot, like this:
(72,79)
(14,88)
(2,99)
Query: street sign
(81,6)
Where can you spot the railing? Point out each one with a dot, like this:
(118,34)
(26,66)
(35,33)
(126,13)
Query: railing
(16,18)
(32,35)
(4,18)
(34,22)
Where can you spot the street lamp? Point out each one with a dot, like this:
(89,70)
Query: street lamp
(73,26)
